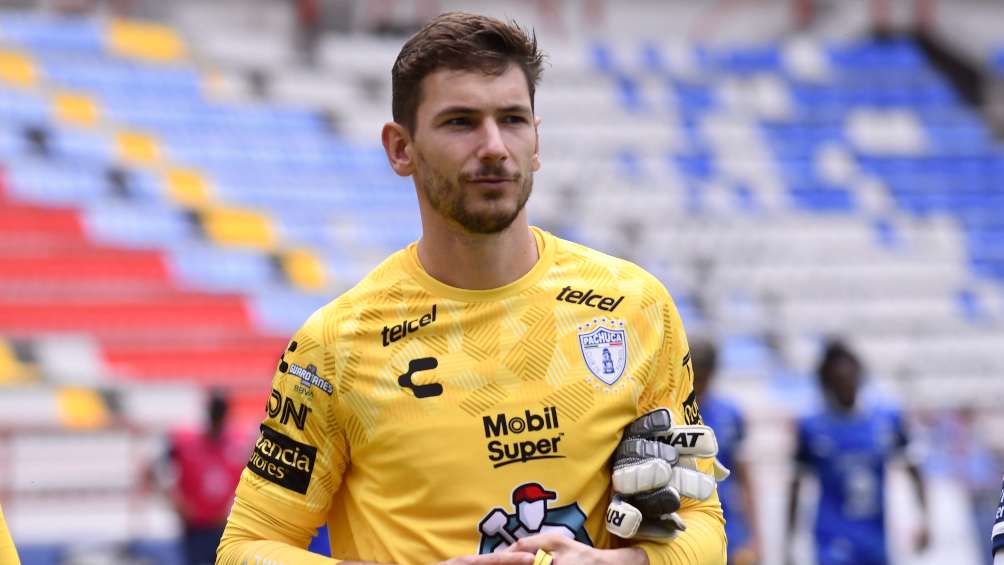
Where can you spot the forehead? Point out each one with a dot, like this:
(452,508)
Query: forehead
(448,88)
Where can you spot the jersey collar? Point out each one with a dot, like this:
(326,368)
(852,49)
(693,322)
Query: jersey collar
(545,253)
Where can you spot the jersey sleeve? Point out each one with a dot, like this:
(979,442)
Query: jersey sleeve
(997,534)
(297,462)
(672,386)
(8,553)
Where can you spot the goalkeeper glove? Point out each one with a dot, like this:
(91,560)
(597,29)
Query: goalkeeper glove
(655,465)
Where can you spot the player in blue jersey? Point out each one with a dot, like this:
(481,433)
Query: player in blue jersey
(997,535)
(735,494)
(848,446)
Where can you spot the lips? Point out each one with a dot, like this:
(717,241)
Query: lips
(491,181)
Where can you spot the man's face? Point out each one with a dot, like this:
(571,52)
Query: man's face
(475,147)
(843,380)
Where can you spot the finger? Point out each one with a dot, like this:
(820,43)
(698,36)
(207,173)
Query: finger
(692,484)
(502,558)
(658,421)
(657,503)
(547,542)
(642,465)
(637,449)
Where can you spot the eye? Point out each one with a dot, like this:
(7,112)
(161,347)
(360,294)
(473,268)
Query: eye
(514,119)
(457,122)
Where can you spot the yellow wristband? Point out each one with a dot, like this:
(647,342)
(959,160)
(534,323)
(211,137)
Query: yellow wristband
(542,558)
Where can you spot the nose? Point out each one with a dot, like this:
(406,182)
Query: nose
(493,148)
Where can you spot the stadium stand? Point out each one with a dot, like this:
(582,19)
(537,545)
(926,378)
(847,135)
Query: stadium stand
(157,240)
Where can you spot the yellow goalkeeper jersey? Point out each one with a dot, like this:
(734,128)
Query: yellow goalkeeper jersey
(423,422)
(8,553)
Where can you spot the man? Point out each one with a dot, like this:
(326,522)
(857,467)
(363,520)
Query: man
(848,446)
(206,466)
(485,357)
(730,428)
(8,553)
(997,534)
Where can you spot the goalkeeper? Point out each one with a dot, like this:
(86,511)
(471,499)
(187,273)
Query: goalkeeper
(467,396)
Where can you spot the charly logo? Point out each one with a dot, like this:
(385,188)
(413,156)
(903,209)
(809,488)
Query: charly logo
(426,390)
(532,514)
(508,442)
(604,348)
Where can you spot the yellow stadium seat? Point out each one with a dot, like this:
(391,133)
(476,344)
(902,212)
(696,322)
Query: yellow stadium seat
(147,41)
(10,369)
(304,269)
(229,226)
(81,408)
(17,68)
(188,188)
(76,109)
(138,147)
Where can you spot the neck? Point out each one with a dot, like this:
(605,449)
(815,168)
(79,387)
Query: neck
(839,407)
(461,259)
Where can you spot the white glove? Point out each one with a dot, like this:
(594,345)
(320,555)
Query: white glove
(654,466)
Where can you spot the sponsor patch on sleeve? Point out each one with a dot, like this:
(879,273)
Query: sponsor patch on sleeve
(691,411)
(282,460)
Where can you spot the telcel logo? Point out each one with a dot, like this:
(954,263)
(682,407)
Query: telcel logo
(503,451)
(394,333)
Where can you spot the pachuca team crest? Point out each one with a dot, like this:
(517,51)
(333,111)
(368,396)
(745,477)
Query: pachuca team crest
(604,348)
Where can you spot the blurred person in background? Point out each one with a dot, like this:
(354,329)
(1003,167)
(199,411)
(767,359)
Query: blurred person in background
(997,534)
(8,553)
(847,445)
(308,30)
(965,456)
(724,417)
(205,466)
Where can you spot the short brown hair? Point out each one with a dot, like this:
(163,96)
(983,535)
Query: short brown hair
(460,41)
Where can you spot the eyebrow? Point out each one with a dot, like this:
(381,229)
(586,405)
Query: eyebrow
(467,110)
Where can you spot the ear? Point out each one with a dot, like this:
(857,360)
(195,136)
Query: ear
(535,160)
(397,144)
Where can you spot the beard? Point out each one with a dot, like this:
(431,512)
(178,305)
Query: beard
(448,197)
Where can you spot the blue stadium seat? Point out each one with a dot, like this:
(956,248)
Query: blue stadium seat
(208,267)
(745,354)
(136,225)
(23,108)
(53,33)
(36,180)
(282,310)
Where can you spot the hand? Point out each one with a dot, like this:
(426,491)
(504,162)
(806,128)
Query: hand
(566,551)
(747,555)
(654,467)
(502,558)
